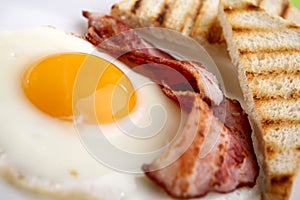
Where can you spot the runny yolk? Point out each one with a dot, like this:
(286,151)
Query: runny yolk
(55,83)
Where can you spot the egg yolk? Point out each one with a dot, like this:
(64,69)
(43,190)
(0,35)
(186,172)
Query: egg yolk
(51,82)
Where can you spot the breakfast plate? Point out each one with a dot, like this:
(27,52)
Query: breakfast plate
(66,15)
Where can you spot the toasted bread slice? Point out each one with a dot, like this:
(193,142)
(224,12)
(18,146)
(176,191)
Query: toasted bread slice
(266,50)
(195,18)
(174,14)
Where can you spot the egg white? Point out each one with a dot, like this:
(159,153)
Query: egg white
(47,153)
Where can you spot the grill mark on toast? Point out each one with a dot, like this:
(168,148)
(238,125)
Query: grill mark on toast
(195,17)
(136,6)
(242,29)
(274,73)
(200,6)
(278,123)
(285,5)
(247,7)
(163,13)
(277,126)
(295,94)
(282,184)
(279,50)
(194,31)
(282,179)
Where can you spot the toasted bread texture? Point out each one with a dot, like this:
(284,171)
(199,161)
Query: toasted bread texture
(195,18)
(266,50)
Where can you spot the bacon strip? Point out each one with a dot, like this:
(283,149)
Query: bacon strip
(117,39)
(122,39)
(192,166)
(225,167)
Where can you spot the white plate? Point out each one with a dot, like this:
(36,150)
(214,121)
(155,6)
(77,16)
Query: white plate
(65,15)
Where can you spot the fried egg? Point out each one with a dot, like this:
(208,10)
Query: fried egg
(67,111)
(77,124)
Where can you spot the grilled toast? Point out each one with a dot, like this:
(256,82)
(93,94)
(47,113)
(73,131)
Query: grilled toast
(195,18)
(266,51)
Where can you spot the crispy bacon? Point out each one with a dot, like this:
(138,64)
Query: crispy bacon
(214,151)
